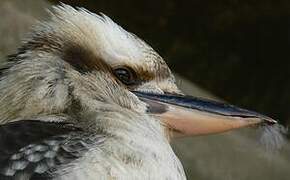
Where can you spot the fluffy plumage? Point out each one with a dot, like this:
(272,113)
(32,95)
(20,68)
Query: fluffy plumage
(63,73)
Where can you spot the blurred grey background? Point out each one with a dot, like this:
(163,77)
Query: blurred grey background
(232,49)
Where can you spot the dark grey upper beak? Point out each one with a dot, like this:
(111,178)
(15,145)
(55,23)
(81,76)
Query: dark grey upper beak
(162,104)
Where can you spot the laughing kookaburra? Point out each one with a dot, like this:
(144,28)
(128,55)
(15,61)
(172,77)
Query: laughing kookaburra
(83,99)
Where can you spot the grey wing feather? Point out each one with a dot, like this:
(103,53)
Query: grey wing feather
(34,149)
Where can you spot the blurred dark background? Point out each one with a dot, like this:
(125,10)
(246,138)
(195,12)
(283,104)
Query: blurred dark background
(237,49)
(234,49)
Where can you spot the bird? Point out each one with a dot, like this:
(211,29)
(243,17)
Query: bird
(82,98)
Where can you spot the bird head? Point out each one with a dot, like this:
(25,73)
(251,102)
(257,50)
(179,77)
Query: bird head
(79,62)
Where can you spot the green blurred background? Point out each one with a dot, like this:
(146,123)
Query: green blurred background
(235,49)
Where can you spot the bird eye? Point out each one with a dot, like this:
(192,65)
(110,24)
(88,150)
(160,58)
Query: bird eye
(125,75)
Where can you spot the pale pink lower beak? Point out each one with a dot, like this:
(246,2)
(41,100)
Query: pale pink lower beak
(187,115)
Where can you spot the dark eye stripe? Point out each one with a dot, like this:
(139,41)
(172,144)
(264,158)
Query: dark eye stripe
(138,75)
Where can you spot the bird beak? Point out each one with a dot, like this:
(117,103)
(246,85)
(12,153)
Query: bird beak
(186,115)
